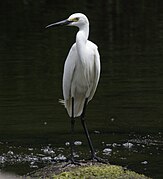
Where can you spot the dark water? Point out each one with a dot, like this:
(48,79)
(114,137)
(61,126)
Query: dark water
(125,118)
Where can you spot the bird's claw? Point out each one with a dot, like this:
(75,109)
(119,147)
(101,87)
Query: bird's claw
(98,159)
(72,161)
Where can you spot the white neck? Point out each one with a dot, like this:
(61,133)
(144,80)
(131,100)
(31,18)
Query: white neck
(81,39)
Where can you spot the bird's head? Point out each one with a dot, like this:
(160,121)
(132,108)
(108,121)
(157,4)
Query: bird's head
(77,19)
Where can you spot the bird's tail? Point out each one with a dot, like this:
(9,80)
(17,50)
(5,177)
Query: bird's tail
(62,101)
(78,105)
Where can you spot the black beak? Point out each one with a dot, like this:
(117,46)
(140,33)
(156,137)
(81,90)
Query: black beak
(64,22)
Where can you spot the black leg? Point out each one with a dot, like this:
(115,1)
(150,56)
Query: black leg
(86,130)
(72,135)
(94,157)
(72,131)
(72,138)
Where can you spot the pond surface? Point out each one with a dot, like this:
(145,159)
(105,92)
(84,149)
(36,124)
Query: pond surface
(125,117)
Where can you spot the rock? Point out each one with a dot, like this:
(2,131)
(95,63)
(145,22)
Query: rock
(85,170)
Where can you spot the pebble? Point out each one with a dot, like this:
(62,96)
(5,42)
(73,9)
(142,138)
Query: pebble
(77,143)
(107,151)
(128,145)
(144,162)
(67,143)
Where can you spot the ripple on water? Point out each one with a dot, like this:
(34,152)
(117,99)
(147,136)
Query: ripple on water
(120,151)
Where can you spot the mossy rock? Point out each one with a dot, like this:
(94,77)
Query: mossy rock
(102,172)
(89,170)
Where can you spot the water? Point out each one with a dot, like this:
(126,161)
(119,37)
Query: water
(125,116)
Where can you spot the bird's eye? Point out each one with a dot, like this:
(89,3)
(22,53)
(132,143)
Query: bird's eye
(75,19)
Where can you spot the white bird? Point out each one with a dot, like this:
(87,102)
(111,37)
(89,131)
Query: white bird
(81,74)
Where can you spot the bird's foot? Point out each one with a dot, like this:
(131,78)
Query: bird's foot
(98,159)
(72,161)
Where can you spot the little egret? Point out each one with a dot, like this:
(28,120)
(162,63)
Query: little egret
(81,75)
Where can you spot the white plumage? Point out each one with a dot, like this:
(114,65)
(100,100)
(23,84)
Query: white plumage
(80,78)
(82,66)
(81,69)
